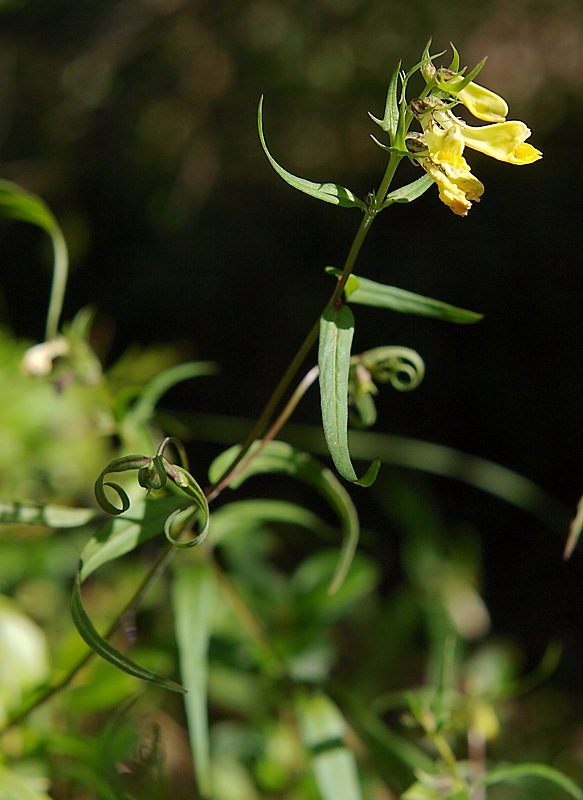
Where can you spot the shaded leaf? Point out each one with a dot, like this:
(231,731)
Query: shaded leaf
(282,457)
(107,651)
(135,422)
(116,538)
(328,192)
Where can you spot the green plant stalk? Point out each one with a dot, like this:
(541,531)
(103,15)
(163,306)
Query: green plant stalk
(365,224)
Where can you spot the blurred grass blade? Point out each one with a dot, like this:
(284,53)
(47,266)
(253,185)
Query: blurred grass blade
(282,457)
(193,600)
(574,531)
(322,729)
(328,192)
(336,332)
(48,515)
(18,204)
(518,772)
(135,431)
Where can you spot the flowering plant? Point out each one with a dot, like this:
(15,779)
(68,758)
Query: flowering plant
(216,558)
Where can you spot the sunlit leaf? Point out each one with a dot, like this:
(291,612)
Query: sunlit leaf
(193,600)
(322,729)
(410,192)
(390,121)
(328,192)
(336,332)
(371,293)
(518,772)
(282,457)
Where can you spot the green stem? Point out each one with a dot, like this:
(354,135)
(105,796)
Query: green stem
(301,355)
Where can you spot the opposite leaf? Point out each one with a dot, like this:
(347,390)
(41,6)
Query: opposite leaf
(328,192)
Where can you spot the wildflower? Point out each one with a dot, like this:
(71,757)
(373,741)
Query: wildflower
(458,188)
(481,102)
(445,137)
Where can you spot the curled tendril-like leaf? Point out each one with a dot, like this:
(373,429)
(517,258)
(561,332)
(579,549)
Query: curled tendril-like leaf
(199,510)
(117,465)
(402,367)
(153,474)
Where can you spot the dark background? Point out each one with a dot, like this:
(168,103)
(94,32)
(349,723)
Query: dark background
(136,122)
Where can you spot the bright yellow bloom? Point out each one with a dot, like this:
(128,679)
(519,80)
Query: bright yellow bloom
(458,188)
(504,141)
(480,102)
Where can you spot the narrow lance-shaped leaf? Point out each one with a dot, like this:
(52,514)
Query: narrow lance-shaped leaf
(118,537)
(328,192)
(365,292)
(193,600)
(282,457)
(390,120)
(410,192)
(336,332)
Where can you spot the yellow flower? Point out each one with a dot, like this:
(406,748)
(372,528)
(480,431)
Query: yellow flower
(480,102)
(458,188)
(504,141)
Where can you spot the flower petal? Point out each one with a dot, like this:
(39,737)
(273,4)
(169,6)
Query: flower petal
(458,188)
(503,141)
(483,104)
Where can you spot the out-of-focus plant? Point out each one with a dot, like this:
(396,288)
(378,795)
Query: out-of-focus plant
(286,656)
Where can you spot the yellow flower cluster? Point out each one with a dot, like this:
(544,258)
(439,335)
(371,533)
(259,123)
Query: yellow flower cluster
(445,137)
